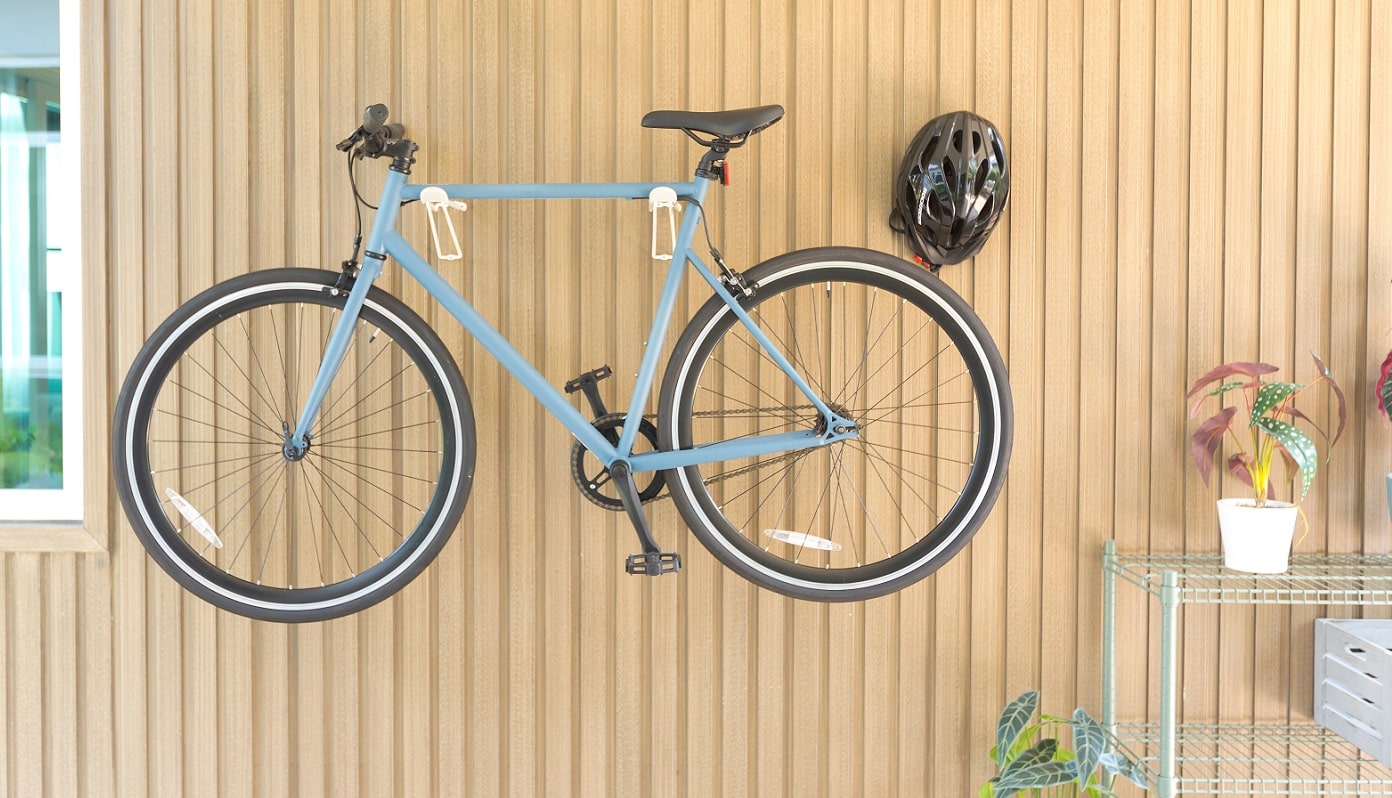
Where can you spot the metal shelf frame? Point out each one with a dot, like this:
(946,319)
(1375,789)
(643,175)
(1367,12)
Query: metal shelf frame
(1302,759)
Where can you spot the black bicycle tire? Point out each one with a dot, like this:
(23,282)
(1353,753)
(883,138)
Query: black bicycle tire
(140,392)
(955,530)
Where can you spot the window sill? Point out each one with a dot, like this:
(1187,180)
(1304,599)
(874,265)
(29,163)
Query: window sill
(49,537)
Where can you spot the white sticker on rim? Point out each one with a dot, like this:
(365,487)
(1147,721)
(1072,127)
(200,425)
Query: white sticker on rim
(194,517)
(803,540)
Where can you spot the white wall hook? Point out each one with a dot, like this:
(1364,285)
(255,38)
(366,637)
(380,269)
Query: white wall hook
(658,199)
(435,199)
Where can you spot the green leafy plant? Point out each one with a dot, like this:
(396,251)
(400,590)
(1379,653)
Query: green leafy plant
(1272,421)
(15,442)
(14,437)
(1030,757)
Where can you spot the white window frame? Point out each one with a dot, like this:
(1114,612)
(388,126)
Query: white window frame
(65,504)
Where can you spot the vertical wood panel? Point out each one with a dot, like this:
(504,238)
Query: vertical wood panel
(94,674)
(1135,214)
(1239,320)
(1024,346)
(1192,182)
(1061,345)
(1097,354)
(1378,329)
(1348,265)
(60,666)
(26,681)
(1203,295)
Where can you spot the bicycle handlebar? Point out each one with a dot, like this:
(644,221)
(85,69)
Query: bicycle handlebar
(375,132)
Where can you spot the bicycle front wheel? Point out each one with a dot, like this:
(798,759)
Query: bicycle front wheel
(883,343)
(207,483)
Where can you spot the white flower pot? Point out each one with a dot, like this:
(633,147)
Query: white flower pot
(1256,539)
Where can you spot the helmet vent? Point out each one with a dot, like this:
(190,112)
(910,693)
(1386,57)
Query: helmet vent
(949,172)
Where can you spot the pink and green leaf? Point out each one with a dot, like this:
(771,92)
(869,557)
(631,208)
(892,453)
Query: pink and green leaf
(1221,389)
(1338,394)
(1229,370)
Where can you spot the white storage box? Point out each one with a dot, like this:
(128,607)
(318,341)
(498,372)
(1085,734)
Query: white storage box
(1353,683)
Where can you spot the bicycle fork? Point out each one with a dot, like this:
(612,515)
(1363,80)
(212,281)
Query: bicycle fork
(297,441)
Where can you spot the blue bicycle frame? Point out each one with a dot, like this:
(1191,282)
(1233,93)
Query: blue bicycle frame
(384,241)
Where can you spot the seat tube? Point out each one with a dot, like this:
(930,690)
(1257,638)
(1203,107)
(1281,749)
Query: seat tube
(666,304)
(375,257)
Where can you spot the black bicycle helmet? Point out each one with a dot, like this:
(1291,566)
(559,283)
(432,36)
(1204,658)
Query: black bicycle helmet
(952,187)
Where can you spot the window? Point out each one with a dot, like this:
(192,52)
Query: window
(41,466)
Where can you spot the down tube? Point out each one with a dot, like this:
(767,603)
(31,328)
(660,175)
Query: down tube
(512,360)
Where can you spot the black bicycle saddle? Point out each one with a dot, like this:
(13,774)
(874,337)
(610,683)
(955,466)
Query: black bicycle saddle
(738,123)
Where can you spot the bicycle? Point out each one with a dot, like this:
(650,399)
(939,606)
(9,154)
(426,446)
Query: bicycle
(296,444)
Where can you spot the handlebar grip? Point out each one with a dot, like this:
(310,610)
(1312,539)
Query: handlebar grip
(374,117)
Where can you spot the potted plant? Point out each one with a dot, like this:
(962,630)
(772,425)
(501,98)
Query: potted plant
(1030,756)
(1382,393)
(1257,529)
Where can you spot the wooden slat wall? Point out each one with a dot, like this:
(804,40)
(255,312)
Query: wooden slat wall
(1194,181)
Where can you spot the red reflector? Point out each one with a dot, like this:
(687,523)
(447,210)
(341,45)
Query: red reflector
(725,173)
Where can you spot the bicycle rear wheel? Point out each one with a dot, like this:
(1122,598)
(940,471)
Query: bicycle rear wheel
(885,344)
(198,439)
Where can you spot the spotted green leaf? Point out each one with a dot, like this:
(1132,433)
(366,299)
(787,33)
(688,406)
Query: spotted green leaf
(1269,396)
(1298,445)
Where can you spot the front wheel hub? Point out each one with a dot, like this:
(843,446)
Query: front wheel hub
(292,452)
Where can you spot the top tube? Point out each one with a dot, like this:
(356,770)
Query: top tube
(685,190)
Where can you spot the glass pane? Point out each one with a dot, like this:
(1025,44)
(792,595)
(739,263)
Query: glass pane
(31,280)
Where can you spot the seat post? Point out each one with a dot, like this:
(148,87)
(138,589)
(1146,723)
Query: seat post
(712,165)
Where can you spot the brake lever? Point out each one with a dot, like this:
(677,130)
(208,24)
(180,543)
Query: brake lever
(348,143)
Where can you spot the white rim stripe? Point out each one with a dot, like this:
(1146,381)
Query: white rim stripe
(238,598)
(993,458)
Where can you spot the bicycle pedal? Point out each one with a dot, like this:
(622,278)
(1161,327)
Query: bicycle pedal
(653,563)
(592,376)
(589,383)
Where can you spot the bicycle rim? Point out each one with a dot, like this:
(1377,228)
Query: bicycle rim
(200,433)
(886,346)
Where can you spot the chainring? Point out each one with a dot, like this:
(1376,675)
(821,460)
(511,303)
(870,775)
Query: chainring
(593,479)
